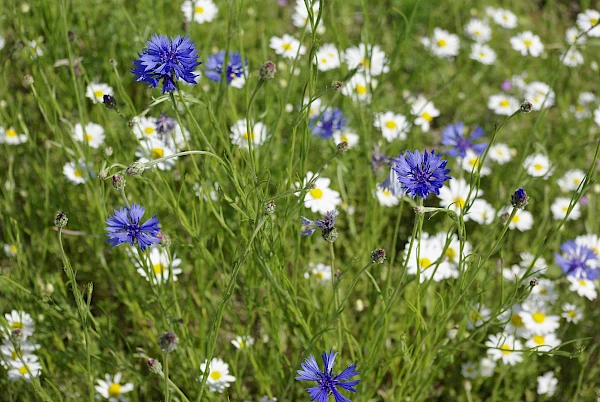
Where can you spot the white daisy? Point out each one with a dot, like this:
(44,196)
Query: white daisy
(218,377)
(429,260)
(469,370)
(10,357)
(145,127)
(583,287)
(477,315)
(504,347)
(349,137)
(522,221)
(587,20)
(96,91)
(159,261)
(544,292)
(242,342)
(513,273)
(392,126)
(539,93)
(481,212)
(327,57)
(514,322)
(536,318)
(239,134)
(572,58)
(359,88)
(367,58)
(442,44)
(539,266)
(320,198)
(385,197)
(25,369)
(542,342)
(454,195)
(11,137)
(500,153)
(583,109)
(483,54)
(572,36)
(503,104)
(470,163)
(451,255)
(20,320)
(10,250)
(546,384)
(478,30)
(504,18)
(111,388)
(571,313)
(486,367)
(76,173)
(320,271)
(590,240)
(152,149)
(571,180)
(287,46)
(93,134)
(527,43)
(300,16)
(560,207)
(200,11)
(538,165)
(424,111)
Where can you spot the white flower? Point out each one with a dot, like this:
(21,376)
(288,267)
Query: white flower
(537,320)
(320,198)
(2,42)
(93,134)
(10,250)
(369,59)
(583,287)
(597,116)
(349,137)
(560,207)
(76,173)
(481,212)
(583,110)
(539,93)
(11,358)
(522,221)
(242,342)
(470,163)
(145,128)
(442,44)
(358,88)
(218,377)
(239,134)
(504,347)
(500,153)
(385,197)
(430,262)
(158,261)
(11,137)
(392,126)
(571,313)
(515,325)
(503,104)
(538,165)
(327,57)
(486,367)
(504,18)
(572,34)
(483,54)
(110,388)
(200,11)
(546,384)
(287,46)
(451,255)
(478,30)
(572,58)
(454,195)
(320,271)
(588,19)
(96,92)
(424,111)
(300,16)
(36,50)
(590,240)
(19,320)
(152,148)
(527,43)
(478,314)
(469,370)
(31,368)
(542,342)
(544,292)
(513,273)
(571,180)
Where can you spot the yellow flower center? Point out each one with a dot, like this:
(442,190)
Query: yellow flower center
(319,275)
(474,162)
(98,94)
(198,10)
(157,153)
(539,317)
(506,349)
(475,316)
(596,250)
(505,17)
(477,33)
(247,136)
(516,321)
(159,269)
(17,325)
(565,209)
(426,116)
(538,167)
(576,181)
(344,138)
(149,130)
(543,291)
(424,263)
(114,390)
(323,60)
(87,137)
(504,103)
(316,193)
(450,254)
(365,62)
(481,54)
(459,201)
(527,42)
(242,344)
(515,219)
(571,313)
(23,369)
(361,89)
(387,193)
(77,173)
(287,46)
(441,43)
(215,375)
(14,355)
(390,124)
(594,21)
(13,249)
(582,282)
(539,339)
(11,132)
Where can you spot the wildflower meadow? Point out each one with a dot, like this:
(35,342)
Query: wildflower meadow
(299,200)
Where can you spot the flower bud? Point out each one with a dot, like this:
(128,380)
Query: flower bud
(330,235)
(103,174)
(109,101)
(270,207)
(17,337)
(154,366)
(336,86)
(267,71)
(118,182)
(534,282)
(60,220)
(135,169)
(168,342)
(28,80)
(112,62)
(163,239)
(135,120)
(108,151)
(519,199)
(378,256)
(526,107)
(342,146)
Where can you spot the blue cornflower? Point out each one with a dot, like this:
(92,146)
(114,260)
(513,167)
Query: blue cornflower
(167,60)
(421,174)
(328,381)
(124,227)
(326,224)
(324,125)
(235,66)
(165,124)
(578,261)
(453,135)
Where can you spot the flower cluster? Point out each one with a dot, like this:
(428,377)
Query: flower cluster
(18,350)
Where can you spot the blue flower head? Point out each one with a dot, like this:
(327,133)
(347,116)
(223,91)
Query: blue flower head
(419,174)
(327,379)
(453,135)
(167,60)
(326,224)
(324,125)
(578,261)
(235,66)
(124,227)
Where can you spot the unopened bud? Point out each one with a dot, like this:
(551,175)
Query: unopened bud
(270,207)
(526,107)
(112,62)
(336,85)
(16,337)
(135,120)
(154,366)
(135,169)
(378,256)
(28,80)
(164,239)
(108,151)
(118,182)
(267,71)
(168,342)
(103,174)
(330,235)
(109,101)
(342,146)
(60,220)
(534,282)
(519,199)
